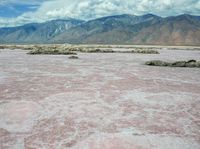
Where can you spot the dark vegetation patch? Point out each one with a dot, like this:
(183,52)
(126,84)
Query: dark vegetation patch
(62,49)
(66,50)
(96,50)
(50,51)
(190,63)
(145,51)
(73,57)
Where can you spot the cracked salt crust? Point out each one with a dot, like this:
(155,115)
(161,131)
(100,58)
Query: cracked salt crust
(100,101)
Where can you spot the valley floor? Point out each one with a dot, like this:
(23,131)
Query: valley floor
(99,101)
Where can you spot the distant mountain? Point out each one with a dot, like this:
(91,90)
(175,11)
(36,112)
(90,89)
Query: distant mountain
(36,32)
(179,30)
(119,29)
(107,30)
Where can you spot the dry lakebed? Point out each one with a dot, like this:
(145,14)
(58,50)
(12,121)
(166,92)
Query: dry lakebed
(99,101)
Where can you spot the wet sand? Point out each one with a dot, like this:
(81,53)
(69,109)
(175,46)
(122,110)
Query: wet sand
(99,101)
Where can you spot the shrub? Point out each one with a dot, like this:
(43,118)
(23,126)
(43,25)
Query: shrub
(50,51)
(73,57)
(179,64)
(157,63)
(190,63)
(93,50)
(145,51)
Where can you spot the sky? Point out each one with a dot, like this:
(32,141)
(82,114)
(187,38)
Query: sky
(19,12)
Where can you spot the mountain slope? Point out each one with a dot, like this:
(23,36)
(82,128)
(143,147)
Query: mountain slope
(105,30)
(180,30)
(36,32)
(128,29)
(119,29)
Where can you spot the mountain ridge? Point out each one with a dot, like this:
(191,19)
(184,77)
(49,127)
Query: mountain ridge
(117,29)
(36,32)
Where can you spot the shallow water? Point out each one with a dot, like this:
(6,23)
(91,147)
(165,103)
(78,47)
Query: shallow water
(110,101)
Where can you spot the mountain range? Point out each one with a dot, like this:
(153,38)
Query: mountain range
(119,29)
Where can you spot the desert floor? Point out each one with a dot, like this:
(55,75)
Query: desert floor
(99,101)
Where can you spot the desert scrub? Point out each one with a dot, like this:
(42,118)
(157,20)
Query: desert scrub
(50,51)
(2,47)
(145,51)
(73,57)
(11,47)
(103,50)
(139,51)
(190,63)
(94,50)
(157,63)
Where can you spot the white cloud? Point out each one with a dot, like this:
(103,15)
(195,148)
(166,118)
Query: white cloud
(89,9)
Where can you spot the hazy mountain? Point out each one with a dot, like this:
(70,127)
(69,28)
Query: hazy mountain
(128,29)
(179,30)
(119,29)
(36,32)
(110,30)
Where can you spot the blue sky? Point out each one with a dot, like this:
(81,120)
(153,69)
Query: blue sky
(18,12)
(15,10)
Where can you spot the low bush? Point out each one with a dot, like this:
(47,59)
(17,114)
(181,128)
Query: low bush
(73,57)
(50,51)
(190,63)
(145,51)
(94,50)
(157,63)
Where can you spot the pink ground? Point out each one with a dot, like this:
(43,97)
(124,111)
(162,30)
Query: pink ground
(100,101)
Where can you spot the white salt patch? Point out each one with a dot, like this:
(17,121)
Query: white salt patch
(129,141)
(162,99)
(18,116)
(3,77)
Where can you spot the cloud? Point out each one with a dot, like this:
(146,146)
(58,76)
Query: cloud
(24,2)
(90,9)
